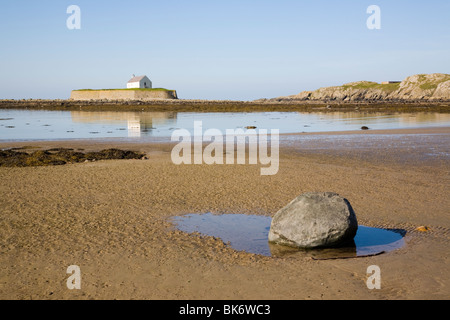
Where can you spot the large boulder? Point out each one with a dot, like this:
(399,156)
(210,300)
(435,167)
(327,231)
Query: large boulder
(322,219)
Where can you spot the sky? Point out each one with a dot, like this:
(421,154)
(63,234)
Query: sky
(216,49)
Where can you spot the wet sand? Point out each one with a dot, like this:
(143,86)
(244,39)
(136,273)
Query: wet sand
(112,218)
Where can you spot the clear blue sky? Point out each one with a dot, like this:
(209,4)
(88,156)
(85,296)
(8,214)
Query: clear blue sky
(233,49)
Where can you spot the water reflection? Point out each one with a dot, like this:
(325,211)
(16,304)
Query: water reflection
(342,121)
(367,242)
(20,124)
(250,233)
(137,123)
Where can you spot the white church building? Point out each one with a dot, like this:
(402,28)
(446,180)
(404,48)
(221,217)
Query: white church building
(139,82)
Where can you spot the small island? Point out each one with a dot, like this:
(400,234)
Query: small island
(138,88)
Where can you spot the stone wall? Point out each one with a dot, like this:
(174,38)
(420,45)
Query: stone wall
(123,94)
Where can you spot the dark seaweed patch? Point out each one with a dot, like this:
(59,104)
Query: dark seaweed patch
(61,156)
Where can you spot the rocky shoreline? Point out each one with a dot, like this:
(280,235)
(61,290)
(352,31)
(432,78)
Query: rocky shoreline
(420,87)
(262,105)
(422,92)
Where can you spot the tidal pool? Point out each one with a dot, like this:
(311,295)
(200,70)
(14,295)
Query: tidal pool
(250,233)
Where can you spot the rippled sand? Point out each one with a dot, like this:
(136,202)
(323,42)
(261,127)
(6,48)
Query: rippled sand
(111,218)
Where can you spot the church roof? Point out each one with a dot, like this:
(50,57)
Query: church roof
(136,79)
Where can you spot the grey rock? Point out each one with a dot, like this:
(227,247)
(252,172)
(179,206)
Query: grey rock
(421,87)
(320,219)
(442,90)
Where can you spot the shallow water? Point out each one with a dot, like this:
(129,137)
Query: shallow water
(19,124)
(408,148)
(250,233)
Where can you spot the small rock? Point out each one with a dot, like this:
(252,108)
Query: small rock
(423,229)
(364,128)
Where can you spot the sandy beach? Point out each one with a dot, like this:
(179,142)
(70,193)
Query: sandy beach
(112,218)
(150,152)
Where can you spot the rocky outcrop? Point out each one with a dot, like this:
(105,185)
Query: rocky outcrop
(318,219)
(421,87)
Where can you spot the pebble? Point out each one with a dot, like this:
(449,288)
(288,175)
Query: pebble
(422,229)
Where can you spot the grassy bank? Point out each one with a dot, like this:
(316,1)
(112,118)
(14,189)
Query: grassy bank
(127,89)
(390,87)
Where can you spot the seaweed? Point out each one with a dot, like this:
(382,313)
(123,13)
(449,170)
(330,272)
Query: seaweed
(61,156)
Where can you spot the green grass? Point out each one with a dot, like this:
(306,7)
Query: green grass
(373,85)
(135,89)
(431,85)
(428,86)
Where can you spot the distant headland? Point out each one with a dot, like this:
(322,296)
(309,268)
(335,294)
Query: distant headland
(416,88)
(419,93)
